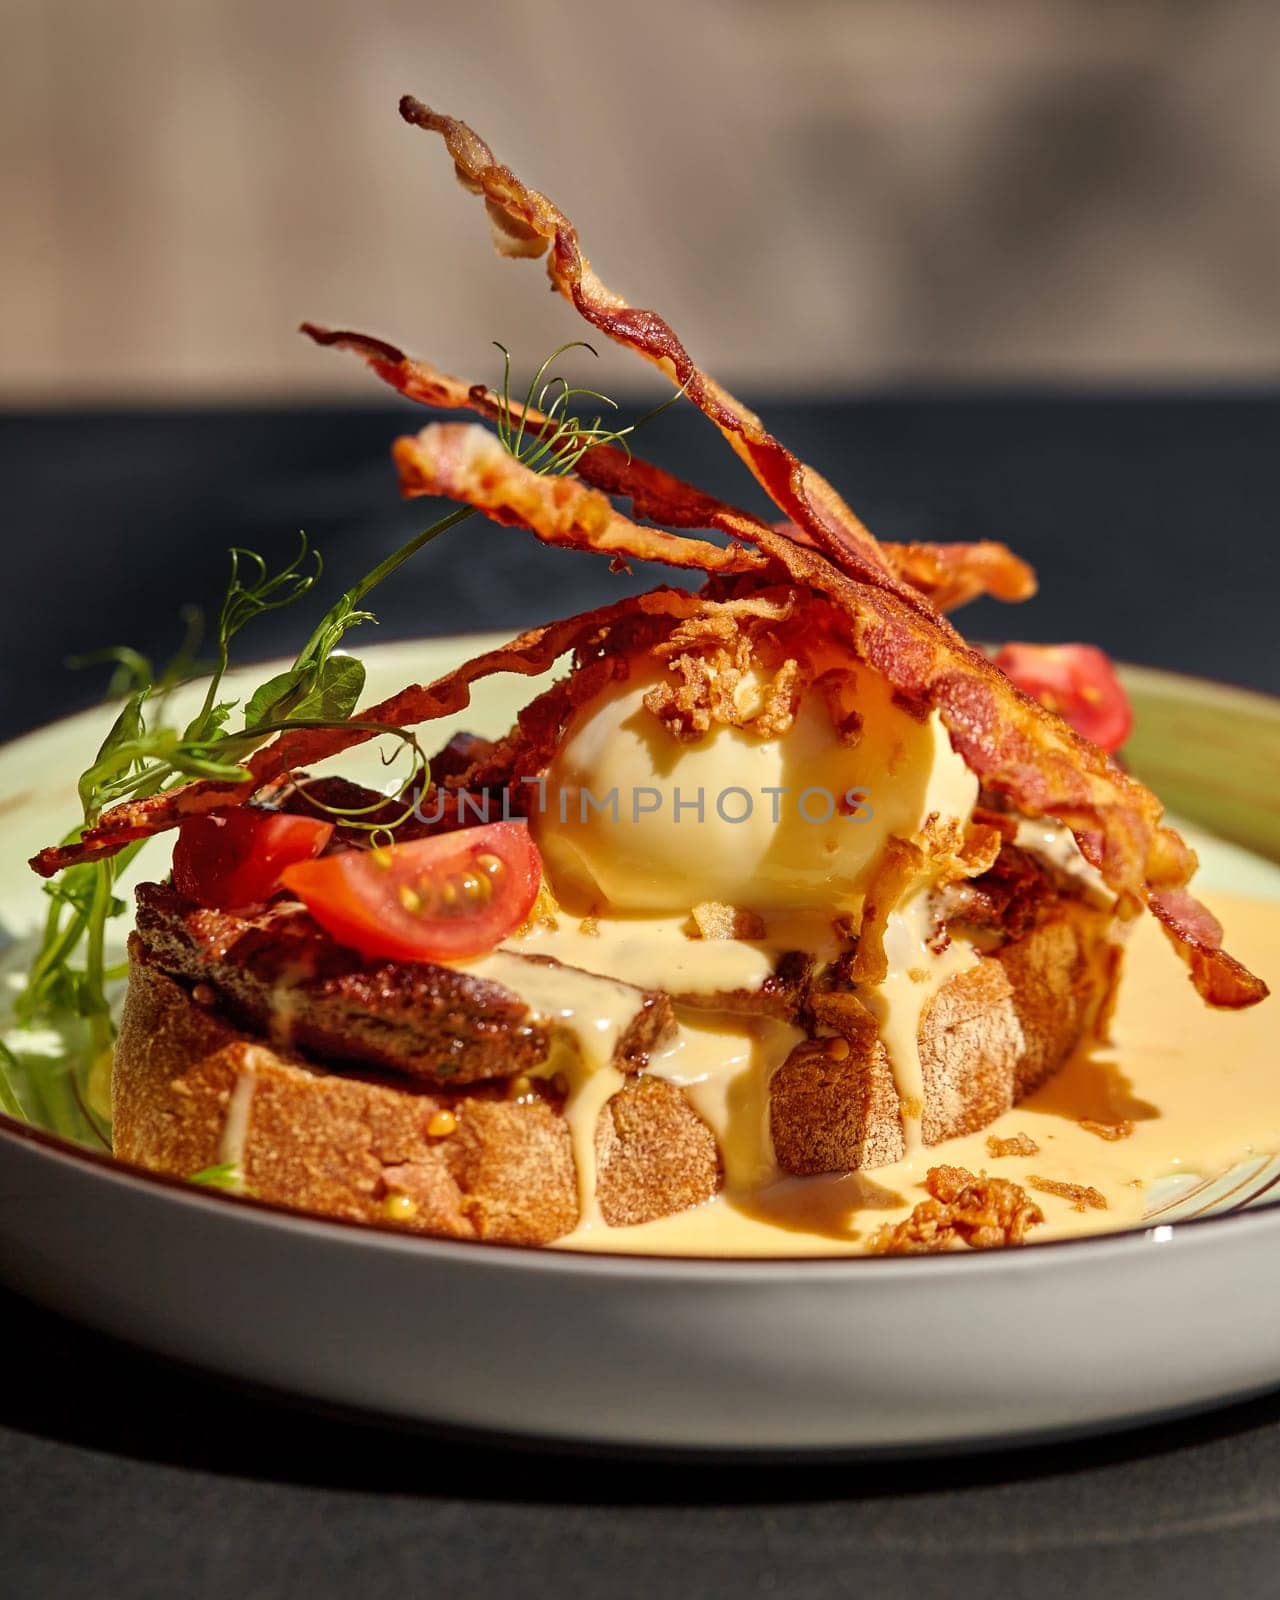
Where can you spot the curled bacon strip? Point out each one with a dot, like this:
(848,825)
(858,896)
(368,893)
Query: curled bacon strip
(948,575)
(1009,740)
(605,466)
(525,223)
(529,655)
(1196,934)
(466,462)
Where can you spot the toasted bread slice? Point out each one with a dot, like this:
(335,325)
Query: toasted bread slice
(991,1035)
(492,1161)
(495,1160)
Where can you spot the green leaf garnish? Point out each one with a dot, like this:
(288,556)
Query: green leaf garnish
(10,1070)
(328,692)
(144,752)
(225,1175)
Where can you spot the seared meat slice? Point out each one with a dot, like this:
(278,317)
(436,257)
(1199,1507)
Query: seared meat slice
(279,974)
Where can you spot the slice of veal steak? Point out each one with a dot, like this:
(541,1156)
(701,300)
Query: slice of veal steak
(280,974)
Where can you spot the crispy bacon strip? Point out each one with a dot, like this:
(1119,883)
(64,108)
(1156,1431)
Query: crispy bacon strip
(525,223)
(652,492)
(1196,934)
(466,462)
(529,655)
(948,575)
(1014,744)
(1009,740)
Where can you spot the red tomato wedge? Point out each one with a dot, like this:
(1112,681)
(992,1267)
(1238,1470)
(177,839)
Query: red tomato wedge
(231,860)
(439,899)
(1077,681)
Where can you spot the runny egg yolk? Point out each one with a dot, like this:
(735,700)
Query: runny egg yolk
(631,819)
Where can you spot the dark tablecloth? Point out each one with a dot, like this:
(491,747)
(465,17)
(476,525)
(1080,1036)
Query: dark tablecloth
(1152,524)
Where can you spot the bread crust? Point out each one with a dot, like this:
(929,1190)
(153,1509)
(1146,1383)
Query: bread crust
(363,1149)
(991,1035)
(339,1145)
(654,1154)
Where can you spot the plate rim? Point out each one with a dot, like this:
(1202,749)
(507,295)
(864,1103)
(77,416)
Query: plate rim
(251,1209)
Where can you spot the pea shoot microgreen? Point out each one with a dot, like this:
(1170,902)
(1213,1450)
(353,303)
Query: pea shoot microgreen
(145,751)
(225,1175)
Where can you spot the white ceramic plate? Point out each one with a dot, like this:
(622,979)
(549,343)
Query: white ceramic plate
(810,1355)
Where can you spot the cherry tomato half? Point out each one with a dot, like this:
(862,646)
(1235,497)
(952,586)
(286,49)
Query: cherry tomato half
(231,860)
(1078,682)
(438,899)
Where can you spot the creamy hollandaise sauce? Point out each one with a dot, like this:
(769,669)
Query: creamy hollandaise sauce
(1200,1089)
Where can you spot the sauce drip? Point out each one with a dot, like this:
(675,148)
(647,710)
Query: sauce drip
(1200,1087)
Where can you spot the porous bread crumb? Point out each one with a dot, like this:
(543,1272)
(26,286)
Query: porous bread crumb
(713,919)
(1018,1144)
(981,1213)
(1111,1131)
(1082,1197)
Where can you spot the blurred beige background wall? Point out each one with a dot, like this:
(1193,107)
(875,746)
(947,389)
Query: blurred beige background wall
(820,194)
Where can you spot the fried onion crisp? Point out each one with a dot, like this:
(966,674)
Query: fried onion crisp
(1110,1131)
(1017,1144)
(963,1210)
(1081,1195)
(900,865)
(729,667)
(707,694)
